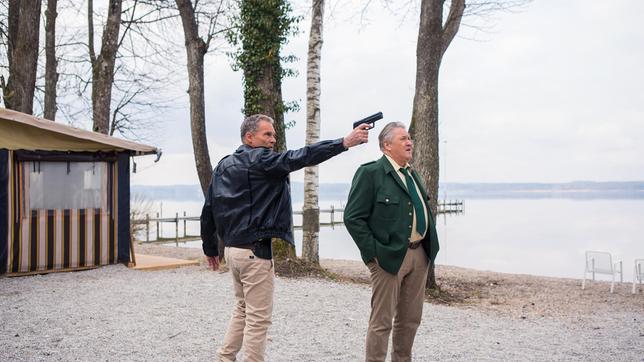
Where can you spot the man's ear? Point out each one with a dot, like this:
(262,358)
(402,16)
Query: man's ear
(248,137)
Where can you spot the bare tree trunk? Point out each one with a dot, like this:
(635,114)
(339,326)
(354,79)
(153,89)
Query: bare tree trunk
(51,76)
(196,49)
(24,31)
(103,64)
(311,209)
(433,40)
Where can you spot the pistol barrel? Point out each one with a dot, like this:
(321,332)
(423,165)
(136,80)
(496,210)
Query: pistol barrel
(369,120)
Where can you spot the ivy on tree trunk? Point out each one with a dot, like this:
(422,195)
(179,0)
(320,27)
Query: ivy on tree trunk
(262,28)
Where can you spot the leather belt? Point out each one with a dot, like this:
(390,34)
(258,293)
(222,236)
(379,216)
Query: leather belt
(414,245)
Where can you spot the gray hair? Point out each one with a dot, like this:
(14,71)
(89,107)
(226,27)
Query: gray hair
(251,123)
(386,134)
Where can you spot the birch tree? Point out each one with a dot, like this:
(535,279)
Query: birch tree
(311,209)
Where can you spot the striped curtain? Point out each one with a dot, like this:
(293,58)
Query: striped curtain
(60,239)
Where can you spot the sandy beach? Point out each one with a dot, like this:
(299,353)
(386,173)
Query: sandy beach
(115,313)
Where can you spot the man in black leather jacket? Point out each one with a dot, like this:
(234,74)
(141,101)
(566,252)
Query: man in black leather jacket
(248,203)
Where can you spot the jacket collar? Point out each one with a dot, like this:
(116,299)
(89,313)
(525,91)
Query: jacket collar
(245,148)
(389,169)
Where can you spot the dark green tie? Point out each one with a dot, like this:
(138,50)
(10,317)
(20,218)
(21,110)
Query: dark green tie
(415,199)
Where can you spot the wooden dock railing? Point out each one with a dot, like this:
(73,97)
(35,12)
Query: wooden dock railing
(444,207)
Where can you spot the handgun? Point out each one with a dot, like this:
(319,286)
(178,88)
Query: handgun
(371,120)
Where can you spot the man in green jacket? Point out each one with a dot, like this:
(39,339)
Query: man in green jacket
(389,219)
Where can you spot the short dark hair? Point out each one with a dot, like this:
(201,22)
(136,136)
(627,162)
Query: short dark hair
(251,123)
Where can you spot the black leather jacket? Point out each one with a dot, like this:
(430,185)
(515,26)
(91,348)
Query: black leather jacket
(249,197)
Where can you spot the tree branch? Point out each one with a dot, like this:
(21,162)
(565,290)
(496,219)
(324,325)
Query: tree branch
(452,24)
(90,28)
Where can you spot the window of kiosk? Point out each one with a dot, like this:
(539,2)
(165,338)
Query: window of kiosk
(65,185)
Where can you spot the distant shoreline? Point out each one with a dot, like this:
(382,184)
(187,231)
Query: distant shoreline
(577,190)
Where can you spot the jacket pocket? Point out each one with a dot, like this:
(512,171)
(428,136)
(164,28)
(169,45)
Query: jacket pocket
(386,207)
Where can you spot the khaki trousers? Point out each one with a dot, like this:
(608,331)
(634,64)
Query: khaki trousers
(399,298)
(253,281)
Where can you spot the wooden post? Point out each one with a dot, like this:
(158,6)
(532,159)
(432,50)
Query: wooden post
(158,235)
(176,229)
(184,224)
(132,262)
(332,216)
(147,228)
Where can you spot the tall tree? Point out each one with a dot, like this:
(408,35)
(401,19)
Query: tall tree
(22,53)
(196,49)
(263,27)
(311,209)
(434,37)
(435,34)
(51,75)
(144,54)
(103,63)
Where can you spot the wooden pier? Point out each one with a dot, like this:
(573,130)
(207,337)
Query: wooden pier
(450,207)
(179,222)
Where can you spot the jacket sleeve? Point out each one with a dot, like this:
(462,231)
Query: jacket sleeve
(357,213)
(208,228)
(283,163)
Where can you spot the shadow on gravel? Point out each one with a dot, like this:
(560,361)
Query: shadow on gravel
(300,268)
(448,292)
(452,291)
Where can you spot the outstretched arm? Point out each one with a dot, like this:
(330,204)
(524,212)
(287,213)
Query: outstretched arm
(282,163)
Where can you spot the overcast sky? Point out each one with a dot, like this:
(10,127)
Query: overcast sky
(553,92)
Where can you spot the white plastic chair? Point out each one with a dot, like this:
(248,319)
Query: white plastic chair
(638,273)
(601,262)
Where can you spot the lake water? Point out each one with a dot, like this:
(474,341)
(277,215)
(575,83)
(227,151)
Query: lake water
(527,236)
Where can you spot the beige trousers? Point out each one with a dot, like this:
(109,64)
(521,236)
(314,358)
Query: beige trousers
(399,298)
(253,281)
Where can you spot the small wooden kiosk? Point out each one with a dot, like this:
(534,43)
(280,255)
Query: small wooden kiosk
(64,196)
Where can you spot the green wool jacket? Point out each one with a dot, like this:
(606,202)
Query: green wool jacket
(378,215)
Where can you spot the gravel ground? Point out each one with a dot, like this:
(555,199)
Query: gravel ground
(117,314)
